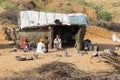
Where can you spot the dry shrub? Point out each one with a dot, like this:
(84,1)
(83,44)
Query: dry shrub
(10,15)
(52,71)
(58,71)
(112,60)
(61,71)
(30,5)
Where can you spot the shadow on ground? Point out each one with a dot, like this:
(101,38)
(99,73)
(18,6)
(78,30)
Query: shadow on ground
(4,46)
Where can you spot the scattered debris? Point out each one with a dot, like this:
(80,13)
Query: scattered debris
(110,52)
(65,53)
(14,50)
(112,60)
(83,52)
(30,58)
(35,56)
(58,55)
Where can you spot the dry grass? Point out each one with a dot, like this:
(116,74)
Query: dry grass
(112,60)
(57,71)
(109,6)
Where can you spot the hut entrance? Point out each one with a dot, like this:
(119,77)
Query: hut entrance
(67,34)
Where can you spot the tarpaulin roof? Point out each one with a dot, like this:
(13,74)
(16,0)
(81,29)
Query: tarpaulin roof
(33,18)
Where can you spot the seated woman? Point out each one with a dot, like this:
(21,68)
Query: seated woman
(24,40)
(25,45)
(58,42)
(41,46)
(87,44)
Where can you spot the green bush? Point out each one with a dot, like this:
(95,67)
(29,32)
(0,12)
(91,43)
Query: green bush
(104,15)
(50,9)
(90,18)
(66,9)
(7,4)
(82,2)
(40,6)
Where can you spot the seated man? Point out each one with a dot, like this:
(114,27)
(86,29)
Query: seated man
(41,46)
(58,42)
(87,44)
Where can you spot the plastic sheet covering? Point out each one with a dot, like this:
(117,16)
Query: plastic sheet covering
(78,19)
(33,18)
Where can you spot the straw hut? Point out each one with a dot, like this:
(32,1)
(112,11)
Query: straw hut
(34,25)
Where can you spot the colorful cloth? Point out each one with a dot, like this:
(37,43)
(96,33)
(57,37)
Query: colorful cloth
(24,40)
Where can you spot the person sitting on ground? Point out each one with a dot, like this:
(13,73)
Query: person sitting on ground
(46,43)
(115,37)
(41,48)
(87,44)
(24,40)
(58,42)
(25,45)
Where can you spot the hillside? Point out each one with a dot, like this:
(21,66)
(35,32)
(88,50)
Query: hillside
(95,10)
(101,9)
(112,6)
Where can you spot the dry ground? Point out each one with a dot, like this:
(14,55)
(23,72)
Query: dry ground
(9,65)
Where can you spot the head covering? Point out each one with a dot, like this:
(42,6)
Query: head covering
(57,36)
(24,39)
(42,39)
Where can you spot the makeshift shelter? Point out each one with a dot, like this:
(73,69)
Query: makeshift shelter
(34,25)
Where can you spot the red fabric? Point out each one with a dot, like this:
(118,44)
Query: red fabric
(23,41)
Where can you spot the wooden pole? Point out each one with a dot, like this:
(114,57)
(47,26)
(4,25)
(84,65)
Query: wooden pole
(80,37)
(51,37)
(82,34)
